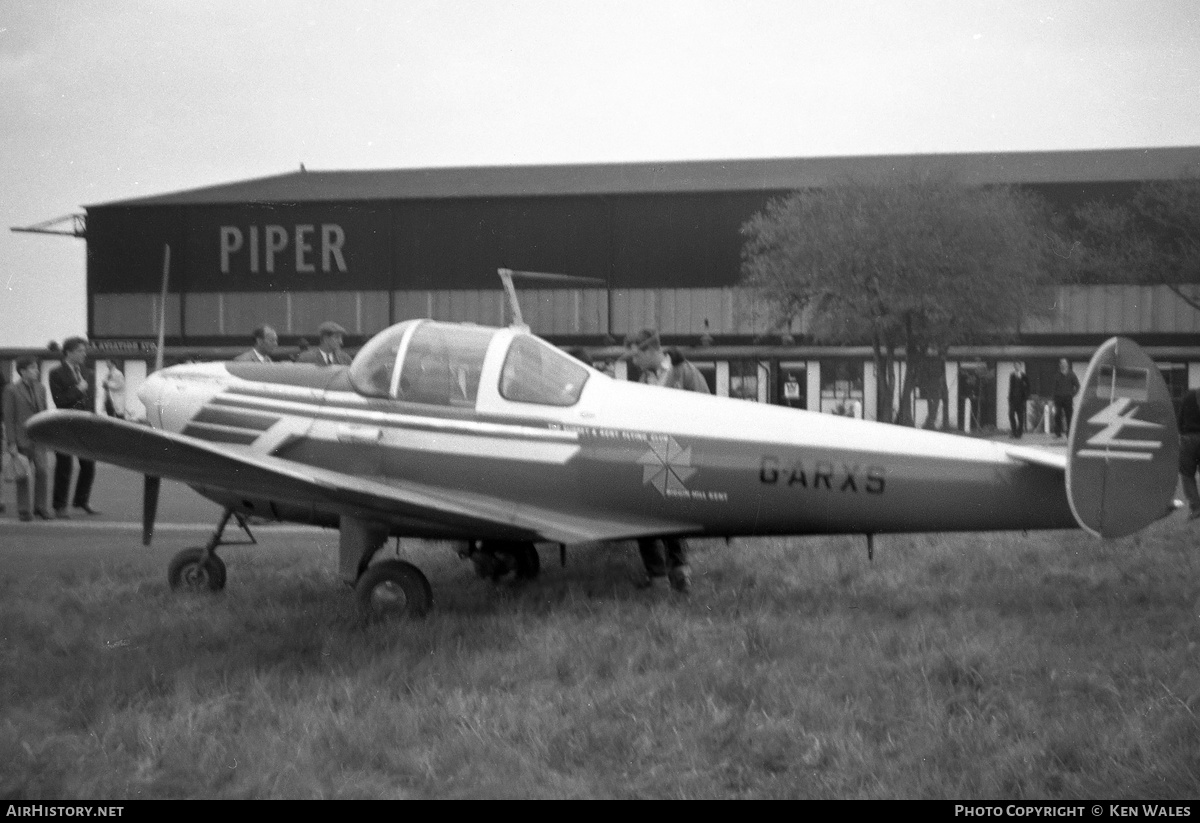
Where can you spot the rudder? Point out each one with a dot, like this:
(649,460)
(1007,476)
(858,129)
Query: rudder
(1123,447)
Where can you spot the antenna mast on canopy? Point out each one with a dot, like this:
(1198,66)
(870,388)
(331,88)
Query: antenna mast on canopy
(510,289)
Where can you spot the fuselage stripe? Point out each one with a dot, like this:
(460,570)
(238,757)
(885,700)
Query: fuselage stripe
(238,418)
(337,399)
(392,420)
(221,434)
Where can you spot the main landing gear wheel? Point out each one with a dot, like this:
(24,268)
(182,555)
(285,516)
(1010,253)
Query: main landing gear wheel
(192,570)
(529,564)
(393,588)
(494,559)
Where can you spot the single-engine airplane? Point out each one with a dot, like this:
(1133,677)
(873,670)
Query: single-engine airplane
(495,439)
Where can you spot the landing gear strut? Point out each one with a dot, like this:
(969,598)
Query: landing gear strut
(386,588)
(192,571)
(199,569)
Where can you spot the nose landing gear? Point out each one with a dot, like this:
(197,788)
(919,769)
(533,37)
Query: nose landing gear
(199,569)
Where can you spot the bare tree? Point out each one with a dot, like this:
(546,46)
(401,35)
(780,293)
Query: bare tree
(917,265)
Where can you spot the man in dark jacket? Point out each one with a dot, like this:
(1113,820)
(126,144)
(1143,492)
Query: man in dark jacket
(329,352)
(665,560)
(1018,395)
(1189,450)
(1066,386)
(73,386)
(266,340)
(3,386)
(22,400)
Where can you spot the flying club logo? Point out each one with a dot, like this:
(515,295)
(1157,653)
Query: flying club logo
(1113,419)
(667,466)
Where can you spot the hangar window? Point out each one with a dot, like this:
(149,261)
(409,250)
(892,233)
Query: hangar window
(535,372)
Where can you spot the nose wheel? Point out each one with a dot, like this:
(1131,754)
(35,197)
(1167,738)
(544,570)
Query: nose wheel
(199,569)
(196,570)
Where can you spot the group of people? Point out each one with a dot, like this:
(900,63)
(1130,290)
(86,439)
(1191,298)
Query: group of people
(328,352)
(72,386)
(1066,386)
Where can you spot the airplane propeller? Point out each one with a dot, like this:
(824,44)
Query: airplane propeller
(150,487)
(151,484)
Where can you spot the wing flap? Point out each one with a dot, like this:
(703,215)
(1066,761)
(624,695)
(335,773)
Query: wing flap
(201,463)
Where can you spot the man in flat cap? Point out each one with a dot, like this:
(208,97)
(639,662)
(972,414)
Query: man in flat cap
(329,352)
(666,559)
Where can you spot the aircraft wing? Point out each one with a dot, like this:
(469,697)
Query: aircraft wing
(200,463)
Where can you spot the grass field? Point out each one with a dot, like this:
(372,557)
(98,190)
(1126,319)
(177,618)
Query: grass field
(1039,666)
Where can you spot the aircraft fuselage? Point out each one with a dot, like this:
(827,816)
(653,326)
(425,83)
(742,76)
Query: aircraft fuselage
(624,450)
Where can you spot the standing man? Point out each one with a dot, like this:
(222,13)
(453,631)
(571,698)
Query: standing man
(1018,395)
(1066,386)
(666,560)
(1189,450)
(329,352)
(265,343)
(23,398)
(3,451)
(73,386)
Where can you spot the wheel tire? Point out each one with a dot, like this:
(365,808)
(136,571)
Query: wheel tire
(529,563)
(393,588)
(501,557)
(191,572)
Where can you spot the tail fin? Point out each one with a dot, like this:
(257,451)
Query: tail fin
(1123,449)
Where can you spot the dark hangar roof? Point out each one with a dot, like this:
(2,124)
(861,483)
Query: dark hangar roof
(1094,166)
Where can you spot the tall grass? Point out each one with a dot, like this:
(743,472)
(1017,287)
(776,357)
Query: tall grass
(1045,666)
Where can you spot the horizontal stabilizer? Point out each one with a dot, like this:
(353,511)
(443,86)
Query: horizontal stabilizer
(1037,457)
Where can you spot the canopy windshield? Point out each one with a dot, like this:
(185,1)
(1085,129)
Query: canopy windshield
(423,362)
(536,372)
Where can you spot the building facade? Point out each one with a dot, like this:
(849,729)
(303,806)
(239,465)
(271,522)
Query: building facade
(662,243)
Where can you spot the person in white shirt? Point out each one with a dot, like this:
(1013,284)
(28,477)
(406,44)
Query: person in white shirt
(114,391)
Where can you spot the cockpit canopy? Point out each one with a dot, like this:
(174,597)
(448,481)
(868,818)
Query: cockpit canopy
(424,361)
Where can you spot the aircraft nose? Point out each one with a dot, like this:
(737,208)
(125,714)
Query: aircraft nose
(151,396)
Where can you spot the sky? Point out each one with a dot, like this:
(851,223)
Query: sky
(104,101)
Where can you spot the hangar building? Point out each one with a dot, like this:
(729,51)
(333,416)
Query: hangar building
(662,240)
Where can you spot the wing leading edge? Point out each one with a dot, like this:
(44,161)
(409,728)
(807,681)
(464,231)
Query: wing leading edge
(200,463)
